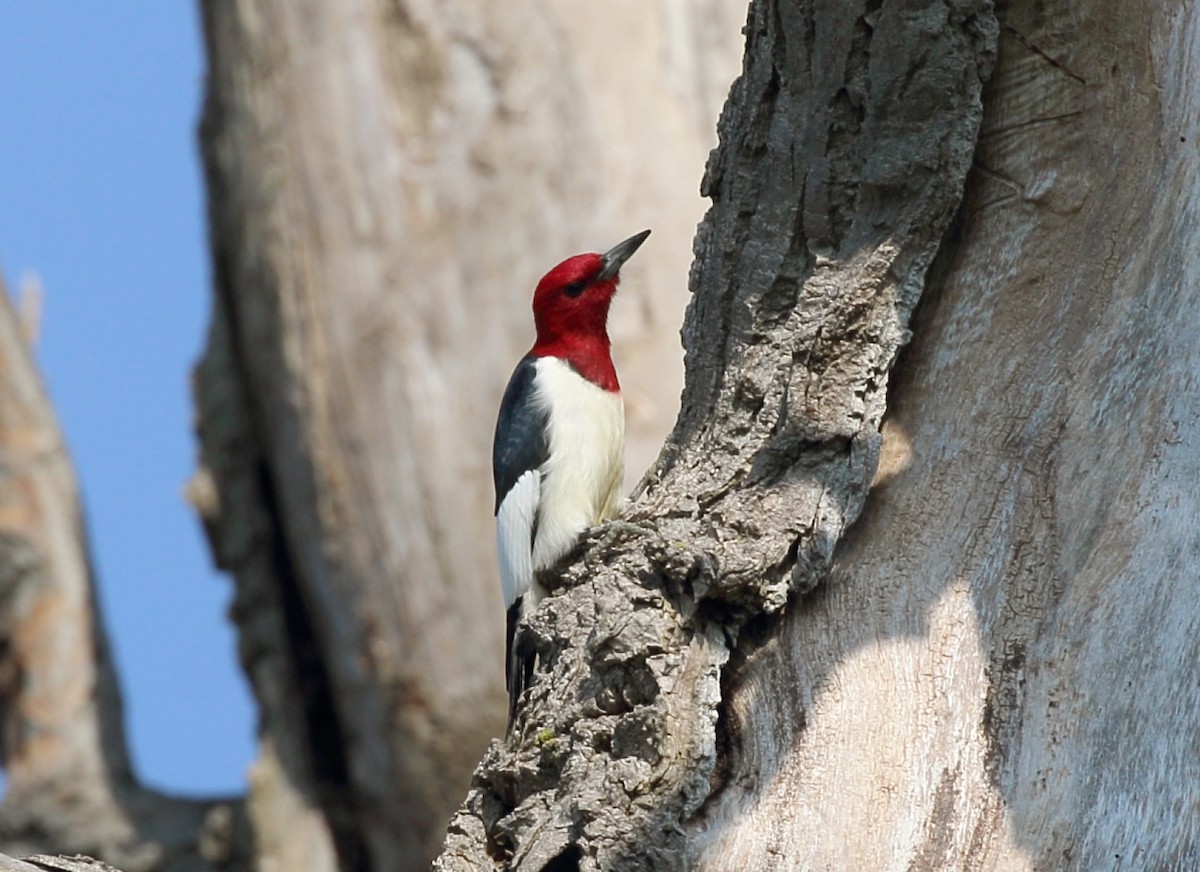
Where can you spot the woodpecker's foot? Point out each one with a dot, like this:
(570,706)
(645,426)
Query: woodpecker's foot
(618,531)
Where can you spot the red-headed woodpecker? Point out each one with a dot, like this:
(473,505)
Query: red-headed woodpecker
(558,455)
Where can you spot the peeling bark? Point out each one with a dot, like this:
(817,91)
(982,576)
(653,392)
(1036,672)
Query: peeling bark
(844,147)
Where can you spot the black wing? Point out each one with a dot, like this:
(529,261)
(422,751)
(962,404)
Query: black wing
(518,661)
(520,443)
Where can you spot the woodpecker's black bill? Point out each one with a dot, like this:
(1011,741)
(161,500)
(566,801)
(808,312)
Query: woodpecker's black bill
(618,254)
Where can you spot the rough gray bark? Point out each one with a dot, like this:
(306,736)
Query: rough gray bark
(70,785)
(844,147)
(1004,675)
(387,182)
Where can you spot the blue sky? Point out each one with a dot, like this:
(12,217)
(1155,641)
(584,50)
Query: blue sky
(100,197)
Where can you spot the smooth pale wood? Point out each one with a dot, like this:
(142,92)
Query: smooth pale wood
(1002,674)
(387,183)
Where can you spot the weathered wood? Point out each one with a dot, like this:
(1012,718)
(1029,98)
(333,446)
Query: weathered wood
(46,863)
(61,706)
(844,147)
(11,864)
(387,182)
(1004,674)
(70,786)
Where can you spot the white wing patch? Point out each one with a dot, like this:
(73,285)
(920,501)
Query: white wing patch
(514,535)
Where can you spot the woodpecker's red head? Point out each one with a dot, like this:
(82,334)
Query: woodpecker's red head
(570,310)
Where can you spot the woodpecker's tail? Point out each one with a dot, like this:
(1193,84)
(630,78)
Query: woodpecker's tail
(518,661)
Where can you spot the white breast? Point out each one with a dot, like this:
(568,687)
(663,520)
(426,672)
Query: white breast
(581,482)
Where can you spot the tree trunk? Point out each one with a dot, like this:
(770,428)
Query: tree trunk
(387,182)
(70,786)
(1002,674)
(844,147)
(999,672)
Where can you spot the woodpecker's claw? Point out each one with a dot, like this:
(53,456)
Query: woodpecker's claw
(615,532)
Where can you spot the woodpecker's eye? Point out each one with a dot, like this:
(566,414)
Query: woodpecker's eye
(575,288)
